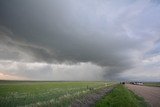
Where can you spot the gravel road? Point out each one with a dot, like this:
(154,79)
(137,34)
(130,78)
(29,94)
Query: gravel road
(150,94)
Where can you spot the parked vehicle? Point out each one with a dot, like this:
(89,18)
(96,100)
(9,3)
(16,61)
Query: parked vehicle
(136,83)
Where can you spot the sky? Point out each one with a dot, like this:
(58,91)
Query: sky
(80,40)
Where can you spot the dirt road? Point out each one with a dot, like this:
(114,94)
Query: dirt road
(150,94)
(90,100)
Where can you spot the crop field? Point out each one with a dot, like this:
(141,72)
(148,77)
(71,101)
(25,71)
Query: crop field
(58,94)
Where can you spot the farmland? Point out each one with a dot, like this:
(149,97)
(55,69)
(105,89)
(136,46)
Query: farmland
(29,93)
(155,84)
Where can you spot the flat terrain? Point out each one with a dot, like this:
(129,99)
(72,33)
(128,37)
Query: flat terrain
(45,94)
(120,96)
(91,99)
(150,94)
(155,84)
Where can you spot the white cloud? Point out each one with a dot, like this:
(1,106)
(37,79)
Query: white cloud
(10,77)
(44,71)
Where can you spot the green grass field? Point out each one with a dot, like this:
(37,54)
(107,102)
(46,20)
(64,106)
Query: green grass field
(155,84)
(58,94)
(121,97)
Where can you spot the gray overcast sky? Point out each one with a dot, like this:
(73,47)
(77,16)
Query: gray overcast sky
(80,40)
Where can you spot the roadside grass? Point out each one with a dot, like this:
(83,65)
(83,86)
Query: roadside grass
(121,97)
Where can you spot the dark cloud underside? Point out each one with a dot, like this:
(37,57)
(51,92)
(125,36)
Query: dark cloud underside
(105,33)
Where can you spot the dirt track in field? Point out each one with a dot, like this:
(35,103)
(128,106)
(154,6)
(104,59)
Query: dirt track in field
(150,94)
(90,100)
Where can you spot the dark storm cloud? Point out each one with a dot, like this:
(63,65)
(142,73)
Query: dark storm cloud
(12,49)
(75,31)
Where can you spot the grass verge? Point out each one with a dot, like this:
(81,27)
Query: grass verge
(121,97)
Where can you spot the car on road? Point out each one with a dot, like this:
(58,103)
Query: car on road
(137,83)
